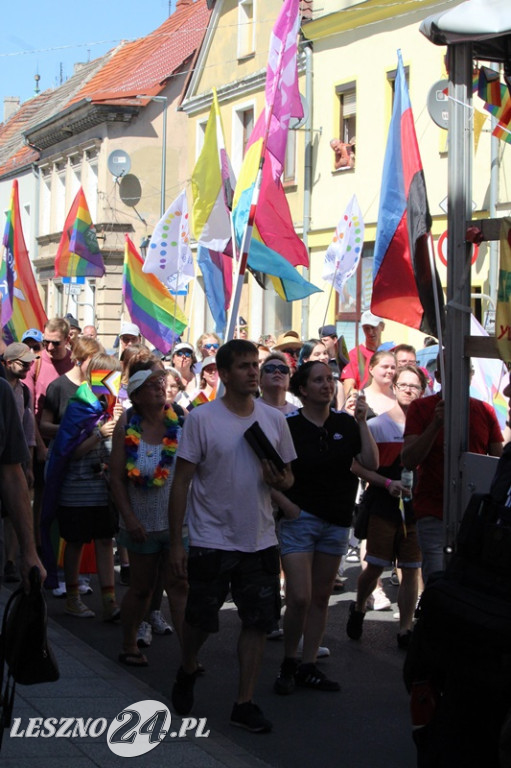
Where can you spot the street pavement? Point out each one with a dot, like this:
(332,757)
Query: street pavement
(366,725)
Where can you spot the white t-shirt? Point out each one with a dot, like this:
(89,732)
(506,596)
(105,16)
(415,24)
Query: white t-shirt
(229,505)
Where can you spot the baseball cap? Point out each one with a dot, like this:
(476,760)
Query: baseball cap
(369,319)
(19,351)
(327,330)
(73,322)
(129,329)
(139,378)
(182,345)
(33,333)
(209,360)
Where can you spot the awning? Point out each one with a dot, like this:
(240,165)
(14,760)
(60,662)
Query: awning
(485,23)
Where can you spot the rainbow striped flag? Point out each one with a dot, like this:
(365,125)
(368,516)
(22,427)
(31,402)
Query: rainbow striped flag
(488,87)
(21,305)
(106,384)
(149,303)
(199,399)
(78,254)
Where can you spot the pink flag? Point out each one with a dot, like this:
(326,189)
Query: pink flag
(282,94)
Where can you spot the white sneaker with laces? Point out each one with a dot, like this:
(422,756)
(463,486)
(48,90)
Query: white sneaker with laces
(323,651)
(353,555)
(159,624)
(144,635)
(380,600)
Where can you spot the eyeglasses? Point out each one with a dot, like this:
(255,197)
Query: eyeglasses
(183,353)
(47,342)
(293,352)
(211,346)
(413,387)
(274,367)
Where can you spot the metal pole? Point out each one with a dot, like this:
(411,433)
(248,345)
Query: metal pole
(307,183)
(493,277)
(456,386)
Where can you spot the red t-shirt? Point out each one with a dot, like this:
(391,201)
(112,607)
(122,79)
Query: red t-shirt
(484,429)
(351,371)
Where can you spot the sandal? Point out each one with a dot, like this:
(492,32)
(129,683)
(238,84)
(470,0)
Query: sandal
(133,659)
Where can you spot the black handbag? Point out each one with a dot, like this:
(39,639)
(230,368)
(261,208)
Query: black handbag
(24,646)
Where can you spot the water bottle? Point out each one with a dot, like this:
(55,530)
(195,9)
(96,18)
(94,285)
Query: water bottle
(407,482)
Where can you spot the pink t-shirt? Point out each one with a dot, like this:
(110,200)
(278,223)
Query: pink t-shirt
(229,505)
(41,374)
(351,371)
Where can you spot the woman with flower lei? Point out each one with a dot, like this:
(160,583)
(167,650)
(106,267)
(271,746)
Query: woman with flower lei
(141,466)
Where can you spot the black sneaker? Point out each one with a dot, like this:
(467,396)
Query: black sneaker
(354,627)
(182,691)
(249,716)
(285,682)
(309,676)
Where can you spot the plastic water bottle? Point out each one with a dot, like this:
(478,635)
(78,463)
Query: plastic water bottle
(407,482)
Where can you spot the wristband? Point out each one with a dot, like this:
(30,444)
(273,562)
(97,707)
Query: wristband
(388,483)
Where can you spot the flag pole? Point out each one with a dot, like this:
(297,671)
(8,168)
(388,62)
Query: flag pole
(436,301)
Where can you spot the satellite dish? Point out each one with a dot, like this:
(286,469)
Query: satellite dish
(130,190)
(119,163)
(438,104)
(297,122)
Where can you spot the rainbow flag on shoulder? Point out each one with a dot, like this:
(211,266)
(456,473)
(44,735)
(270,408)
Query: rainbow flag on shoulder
(78,254)
(149,303)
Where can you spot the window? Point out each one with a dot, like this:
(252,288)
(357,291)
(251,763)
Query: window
(356,295)
(391,79)
(243,124)
(289,174)
(246,28)
(347,95)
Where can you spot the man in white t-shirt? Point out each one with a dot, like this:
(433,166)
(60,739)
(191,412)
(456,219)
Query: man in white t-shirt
(233,546)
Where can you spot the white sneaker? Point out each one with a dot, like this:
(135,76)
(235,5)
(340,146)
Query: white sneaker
(60,591)
(144,635)
(378,601)
(353,555)
(323,651)
(75,607)
(159,624)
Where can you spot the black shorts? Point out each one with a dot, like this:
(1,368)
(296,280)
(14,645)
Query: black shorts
(83,524)
(252,578)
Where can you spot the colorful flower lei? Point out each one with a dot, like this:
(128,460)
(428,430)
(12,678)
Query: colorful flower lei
(169,447)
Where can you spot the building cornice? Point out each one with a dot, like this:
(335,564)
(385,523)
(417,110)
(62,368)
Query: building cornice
(362,14)
(253,83)
(76,119)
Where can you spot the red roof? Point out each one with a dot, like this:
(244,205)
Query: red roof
(143,66)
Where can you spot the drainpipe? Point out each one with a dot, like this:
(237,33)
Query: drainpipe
(307,184)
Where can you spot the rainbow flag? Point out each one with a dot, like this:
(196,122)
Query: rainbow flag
(21,305)
(488,86)
(105,385)
(503,114)
(78,254)
(199,399)
(149,303)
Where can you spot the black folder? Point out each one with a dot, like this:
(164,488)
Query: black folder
(261,446)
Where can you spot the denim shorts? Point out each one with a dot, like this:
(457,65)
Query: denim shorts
(156,541)
(308,533)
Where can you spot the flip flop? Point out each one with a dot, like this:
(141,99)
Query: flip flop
(133,659)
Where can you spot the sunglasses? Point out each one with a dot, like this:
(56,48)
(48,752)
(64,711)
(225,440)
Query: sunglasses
(183,353)
(47,342)
(274,367)
(293,352)
(33,347)
(23,363)
(211,346)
